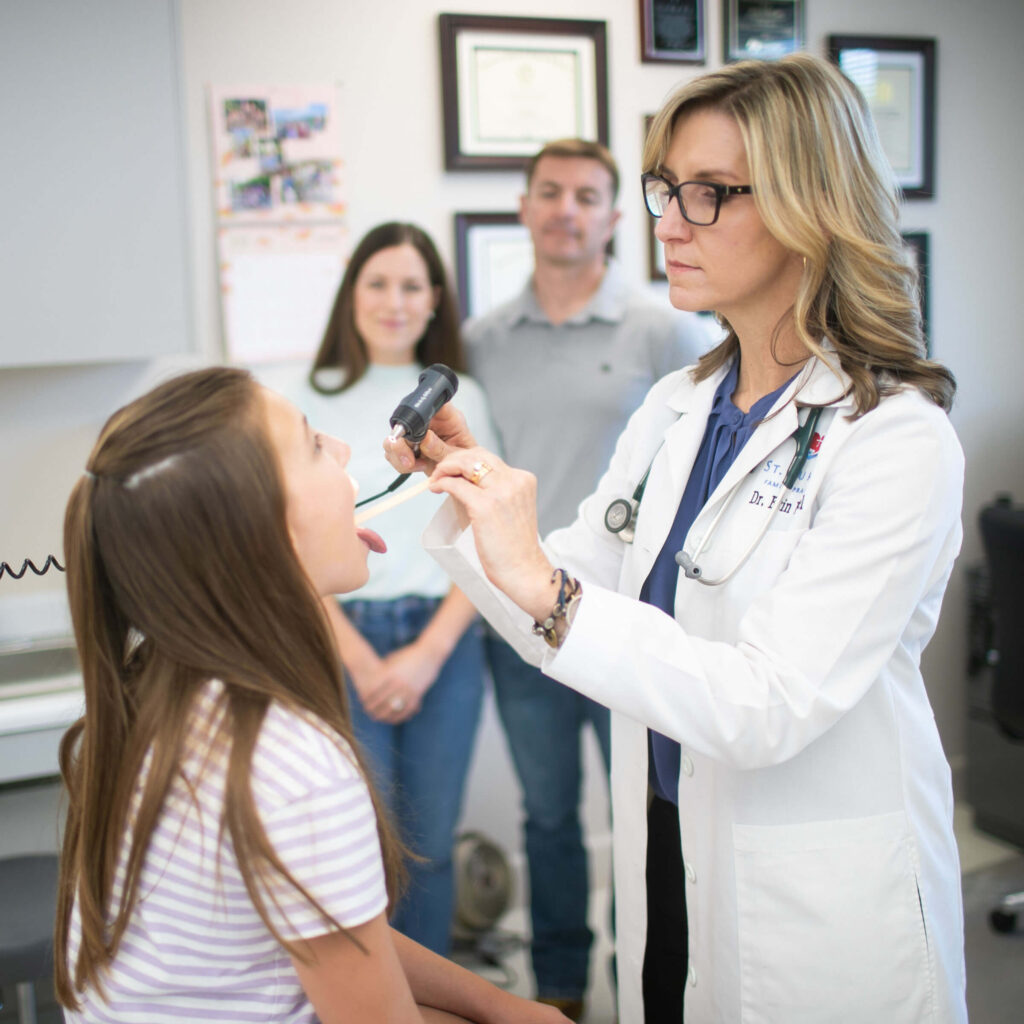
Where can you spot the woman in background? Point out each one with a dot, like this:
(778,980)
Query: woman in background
(225,857)
(411,643)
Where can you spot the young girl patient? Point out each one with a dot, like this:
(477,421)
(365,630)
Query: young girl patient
(225,858)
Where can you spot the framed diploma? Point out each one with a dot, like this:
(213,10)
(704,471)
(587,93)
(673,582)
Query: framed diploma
(655,250)
(509,85)
(897,76)
(493,260)
(763,29)
(672,31)
(918,243)
(655,253)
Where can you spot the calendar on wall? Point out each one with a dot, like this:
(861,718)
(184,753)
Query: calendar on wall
(280,208)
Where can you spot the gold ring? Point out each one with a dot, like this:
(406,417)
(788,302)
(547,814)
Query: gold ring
(480,470)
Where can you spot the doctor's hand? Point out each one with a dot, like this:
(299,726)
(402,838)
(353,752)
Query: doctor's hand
(448,432)
(500,503)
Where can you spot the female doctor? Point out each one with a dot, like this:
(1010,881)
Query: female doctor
(759,627)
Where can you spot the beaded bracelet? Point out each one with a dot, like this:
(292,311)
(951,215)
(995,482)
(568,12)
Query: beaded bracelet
(569,592)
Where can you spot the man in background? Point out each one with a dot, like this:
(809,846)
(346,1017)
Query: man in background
(564,365)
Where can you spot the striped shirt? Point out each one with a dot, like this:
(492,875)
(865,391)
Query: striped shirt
(195,947)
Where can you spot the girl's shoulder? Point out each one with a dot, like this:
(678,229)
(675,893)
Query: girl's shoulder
(295,754)
(309,748)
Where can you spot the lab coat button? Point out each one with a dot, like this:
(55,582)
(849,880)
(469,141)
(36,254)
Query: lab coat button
(691,875)
(691,977)
(687,765)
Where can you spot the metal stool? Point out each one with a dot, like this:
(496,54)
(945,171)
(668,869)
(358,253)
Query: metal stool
(28,907)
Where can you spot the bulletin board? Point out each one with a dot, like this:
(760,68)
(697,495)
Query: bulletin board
(280,207)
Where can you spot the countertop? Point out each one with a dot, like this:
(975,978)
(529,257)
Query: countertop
(40,696)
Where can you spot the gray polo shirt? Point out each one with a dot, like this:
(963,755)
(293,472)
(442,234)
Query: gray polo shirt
(561,395)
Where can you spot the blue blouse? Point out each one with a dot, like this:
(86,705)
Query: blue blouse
(727,431)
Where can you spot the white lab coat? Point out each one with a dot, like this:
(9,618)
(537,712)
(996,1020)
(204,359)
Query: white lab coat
(815,802)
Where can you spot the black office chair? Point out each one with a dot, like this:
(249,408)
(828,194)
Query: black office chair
(1002,532)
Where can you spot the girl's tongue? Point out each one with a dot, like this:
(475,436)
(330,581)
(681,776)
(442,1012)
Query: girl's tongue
(372,540)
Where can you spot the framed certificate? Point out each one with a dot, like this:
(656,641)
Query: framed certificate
(897,76)
(655,250)
(655,254)
(509,85)
(493,260)
(672,31)
(918,243)
(763,29)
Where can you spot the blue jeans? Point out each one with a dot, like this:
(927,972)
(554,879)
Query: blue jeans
(420,765)
(543,721)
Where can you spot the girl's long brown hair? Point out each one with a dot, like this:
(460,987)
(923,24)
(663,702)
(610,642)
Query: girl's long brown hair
(341,347)
(825,190)
(180,570)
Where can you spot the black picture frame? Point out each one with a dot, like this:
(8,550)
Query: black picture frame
(561,65)
(672,32)
(655,250)
(655,253)
(920,244)
(905,113)
(473,270)
(762,29)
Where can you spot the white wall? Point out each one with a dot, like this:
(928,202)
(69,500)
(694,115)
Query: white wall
(383,57)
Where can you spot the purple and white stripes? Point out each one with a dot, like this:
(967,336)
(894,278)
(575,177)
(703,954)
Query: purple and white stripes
(195,948)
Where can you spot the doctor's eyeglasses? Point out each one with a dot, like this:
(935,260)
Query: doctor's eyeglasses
(699,201)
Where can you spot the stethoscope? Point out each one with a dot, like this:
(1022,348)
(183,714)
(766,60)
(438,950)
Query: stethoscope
(621,515)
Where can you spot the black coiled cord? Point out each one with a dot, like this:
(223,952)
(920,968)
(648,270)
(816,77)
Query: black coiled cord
(29,564)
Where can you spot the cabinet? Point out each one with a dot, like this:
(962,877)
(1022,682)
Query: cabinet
(92,196)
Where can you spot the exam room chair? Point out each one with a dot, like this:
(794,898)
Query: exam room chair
(1002,533)
(28,908)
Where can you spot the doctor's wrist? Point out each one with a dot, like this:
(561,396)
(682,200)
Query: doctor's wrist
(555,624)
(536,593)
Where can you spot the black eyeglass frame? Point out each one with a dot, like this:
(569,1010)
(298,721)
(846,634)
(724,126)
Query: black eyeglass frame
(675,191)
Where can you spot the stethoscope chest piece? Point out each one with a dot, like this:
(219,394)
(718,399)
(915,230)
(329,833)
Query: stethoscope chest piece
(620,517)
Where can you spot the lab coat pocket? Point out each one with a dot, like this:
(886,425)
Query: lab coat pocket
(830,923)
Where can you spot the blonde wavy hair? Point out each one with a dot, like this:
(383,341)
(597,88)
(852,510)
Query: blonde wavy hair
(825,190)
